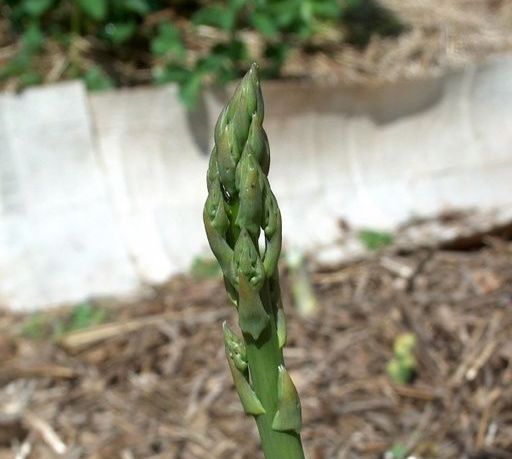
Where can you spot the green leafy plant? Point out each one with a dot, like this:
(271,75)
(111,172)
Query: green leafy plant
(22,64)
(96,79)
(36,326)
(374,240)
(168,41)
(398,451)
(46,325)
(239,209)
(124,42)
(96,9)
(402,367)
(85,315)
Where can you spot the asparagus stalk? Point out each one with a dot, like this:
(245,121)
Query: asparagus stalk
(239,208)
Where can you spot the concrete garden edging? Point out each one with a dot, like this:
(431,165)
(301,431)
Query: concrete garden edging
(102,193)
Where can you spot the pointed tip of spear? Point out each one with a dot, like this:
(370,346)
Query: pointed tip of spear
(253,71)
(250,85)
(246,98)
(251,78)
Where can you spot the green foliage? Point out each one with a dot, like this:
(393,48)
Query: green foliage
(374,240)
(96,9)
(168,41)
(85,315)
(35,327)
(22,64)
(217,16)
(120,32)
(46,325)
(398,451)
(402,367)
(97,80)
(36,7)
(130,37)
(140,7)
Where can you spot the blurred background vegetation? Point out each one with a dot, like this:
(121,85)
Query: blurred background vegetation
(112,43)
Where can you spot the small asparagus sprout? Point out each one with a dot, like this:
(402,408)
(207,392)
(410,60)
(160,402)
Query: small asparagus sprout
(402,367)
(240,206)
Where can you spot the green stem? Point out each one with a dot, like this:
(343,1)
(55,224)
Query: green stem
(240,205)
(264,357)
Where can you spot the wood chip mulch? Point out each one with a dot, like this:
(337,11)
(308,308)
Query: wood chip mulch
(153,382)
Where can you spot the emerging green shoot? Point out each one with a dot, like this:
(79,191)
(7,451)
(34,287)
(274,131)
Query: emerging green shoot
(398,451)
(402,367)
(374,240)
(239,209)
(47,325)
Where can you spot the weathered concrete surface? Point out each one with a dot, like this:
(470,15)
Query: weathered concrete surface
(102,194)
(59,240)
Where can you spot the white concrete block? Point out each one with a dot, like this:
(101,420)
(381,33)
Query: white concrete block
(100,195)
(59,240)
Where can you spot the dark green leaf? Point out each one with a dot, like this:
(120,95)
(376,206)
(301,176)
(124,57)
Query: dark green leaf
(285,12)
(219,66)
(137,6)
(96,79)
(235,51)
(237,4)
(399,451)
(170,73)
(354,4)
(86,315)
(96,9)
(168,41)
(374,240)
(326,9)
(306,11)
(189,90)
(17,65)
(36,7)
(264,24)
(275,55)
(210,63)
(215,16)
(32,39)
(30,78)
(121,31)
(224,61)
(35,326)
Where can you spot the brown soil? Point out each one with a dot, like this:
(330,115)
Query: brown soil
(153,382)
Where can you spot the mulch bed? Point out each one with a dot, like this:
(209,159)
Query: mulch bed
(153,382)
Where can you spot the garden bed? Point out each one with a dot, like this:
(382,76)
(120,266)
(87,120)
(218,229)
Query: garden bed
(195,43)
(152,381)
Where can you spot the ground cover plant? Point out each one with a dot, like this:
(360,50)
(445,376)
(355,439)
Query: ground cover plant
(241,209)
(128,42)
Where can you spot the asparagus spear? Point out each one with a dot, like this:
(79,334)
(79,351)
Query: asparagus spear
(239,208)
